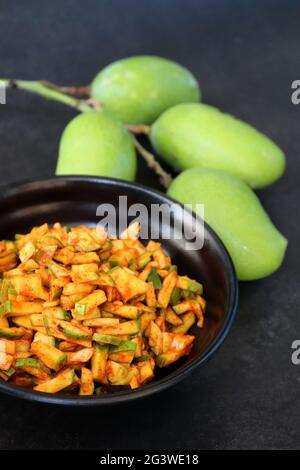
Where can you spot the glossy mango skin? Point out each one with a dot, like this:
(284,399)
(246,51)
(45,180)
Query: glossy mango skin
(138,89)
(94,143)
(233,210)
(198,135)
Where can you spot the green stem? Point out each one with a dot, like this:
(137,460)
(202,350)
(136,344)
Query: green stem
(164,177)
(139,129)
(70,90)
(41,88)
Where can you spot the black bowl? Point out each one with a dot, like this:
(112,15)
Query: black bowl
(73,200)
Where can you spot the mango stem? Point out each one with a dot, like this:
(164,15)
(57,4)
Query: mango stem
(70,90)
(164,177)
(139,129)
(42,88)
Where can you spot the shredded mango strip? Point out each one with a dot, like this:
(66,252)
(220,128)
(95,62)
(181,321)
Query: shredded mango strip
(87,313)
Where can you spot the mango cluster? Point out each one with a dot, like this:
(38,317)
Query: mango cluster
(222,159)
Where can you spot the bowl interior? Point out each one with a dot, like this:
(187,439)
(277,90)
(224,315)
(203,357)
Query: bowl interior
(74,200)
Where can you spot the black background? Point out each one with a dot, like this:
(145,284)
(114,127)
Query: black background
(245,54)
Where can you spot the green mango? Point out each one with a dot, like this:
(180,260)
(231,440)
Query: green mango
(138,89)
(94,143)
(197,135)
(233,210)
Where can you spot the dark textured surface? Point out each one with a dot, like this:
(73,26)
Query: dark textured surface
(246,55)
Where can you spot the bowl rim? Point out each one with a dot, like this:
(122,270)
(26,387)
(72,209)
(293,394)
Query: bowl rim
(9,189)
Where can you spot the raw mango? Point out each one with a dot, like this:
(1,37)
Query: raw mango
(197,135)
(94,143)
(233,210)
(138,89)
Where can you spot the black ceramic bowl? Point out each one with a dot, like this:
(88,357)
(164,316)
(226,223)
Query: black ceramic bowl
(73,200)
